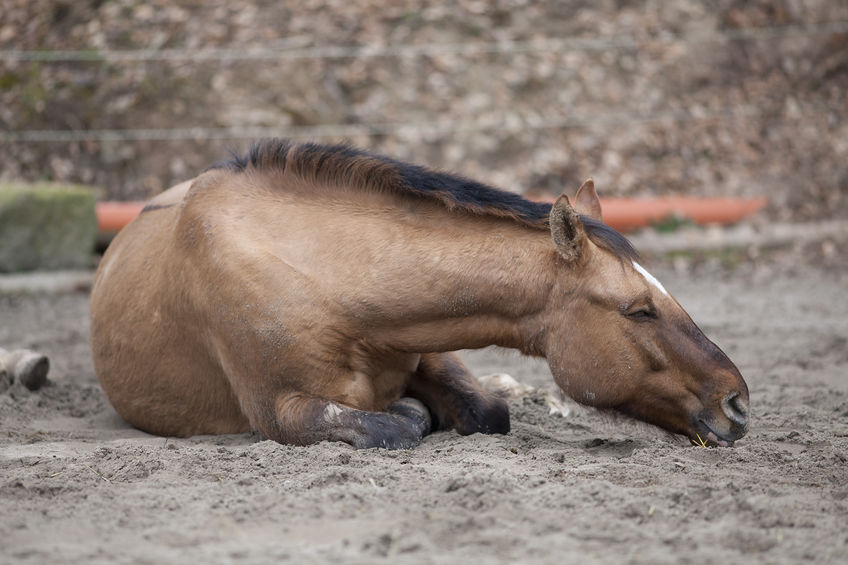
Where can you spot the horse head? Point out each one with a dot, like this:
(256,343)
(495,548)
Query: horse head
(618,340)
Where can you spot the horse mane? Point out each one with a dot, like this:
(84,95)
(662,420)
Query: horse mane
(344,165)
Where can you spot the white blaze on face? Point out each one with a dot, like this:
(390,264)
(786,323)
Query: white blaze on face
(649,277)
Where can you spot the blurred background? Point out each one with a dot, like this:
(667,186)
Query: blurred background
(706,98)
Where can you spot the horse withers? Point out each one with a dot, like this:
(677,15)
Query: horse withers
(317,292)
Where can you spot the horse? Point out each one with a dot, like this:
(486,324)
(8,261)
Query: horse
(315,292)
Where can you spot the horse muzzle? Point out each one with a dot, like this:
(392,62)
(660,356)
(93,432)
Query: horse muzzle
(725,428)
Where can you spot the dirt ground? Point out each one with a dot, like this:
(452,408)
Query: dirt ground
(77,485)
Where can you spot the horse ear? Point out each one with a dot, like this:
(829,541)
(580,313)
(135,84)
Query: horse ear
(567,229)
(586,202)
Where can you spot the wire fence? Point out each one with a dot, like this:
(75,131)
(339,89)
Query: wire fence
(369,51)
(434,128)
(509,122)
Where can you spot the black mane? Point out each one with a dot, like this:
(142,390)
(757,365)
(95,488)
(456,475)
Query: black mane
(345,165)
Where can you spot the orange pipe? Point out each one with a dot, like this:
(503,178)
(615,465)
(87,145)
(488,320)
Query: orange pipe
(626,214)
(623,214)
(112,216)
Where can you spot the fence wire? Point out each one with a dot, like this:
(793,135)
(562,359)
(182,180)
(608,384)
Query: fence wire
(369,51)
(510,122)
(430,128)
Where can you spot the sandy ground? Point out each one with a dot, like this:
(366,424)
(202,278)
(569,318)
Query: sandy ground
(78,485)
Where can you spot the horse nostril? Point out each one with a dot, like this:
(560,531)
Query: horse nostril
(735,408)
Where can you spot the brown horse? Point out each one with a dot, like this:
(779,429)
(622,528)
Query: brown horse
(316,293)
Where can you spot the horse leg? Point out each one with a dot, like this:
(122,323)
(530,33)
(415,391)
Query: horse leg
(455,398)
(304,420)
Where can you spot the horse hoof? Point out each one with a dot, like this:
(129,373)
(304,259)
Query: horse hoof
(413,410)
(486,416)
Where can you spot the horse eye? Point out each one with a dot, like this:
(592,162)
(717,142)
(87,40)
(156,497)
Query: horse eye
(642,314)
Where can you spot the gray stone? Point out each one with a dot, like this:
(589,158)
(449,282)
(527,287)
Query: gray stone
(28,367)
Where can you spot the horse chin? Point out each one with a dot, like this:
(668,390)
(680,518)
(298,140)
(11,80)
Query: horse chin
(619,415)
(711,440)
(706,436)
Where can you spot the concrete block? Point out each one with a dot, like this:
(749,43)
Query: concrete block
(46,226)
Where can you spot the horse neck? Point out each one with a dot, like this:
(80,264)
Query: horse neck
(477,282)
(410,274)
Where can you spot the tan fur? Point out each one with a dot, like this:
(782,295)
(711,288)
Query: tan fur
(265,300)
(566,230)
(586,201)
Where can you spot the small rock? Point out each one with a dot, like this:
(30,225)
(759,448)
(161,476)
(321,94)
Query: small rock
(28,367)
